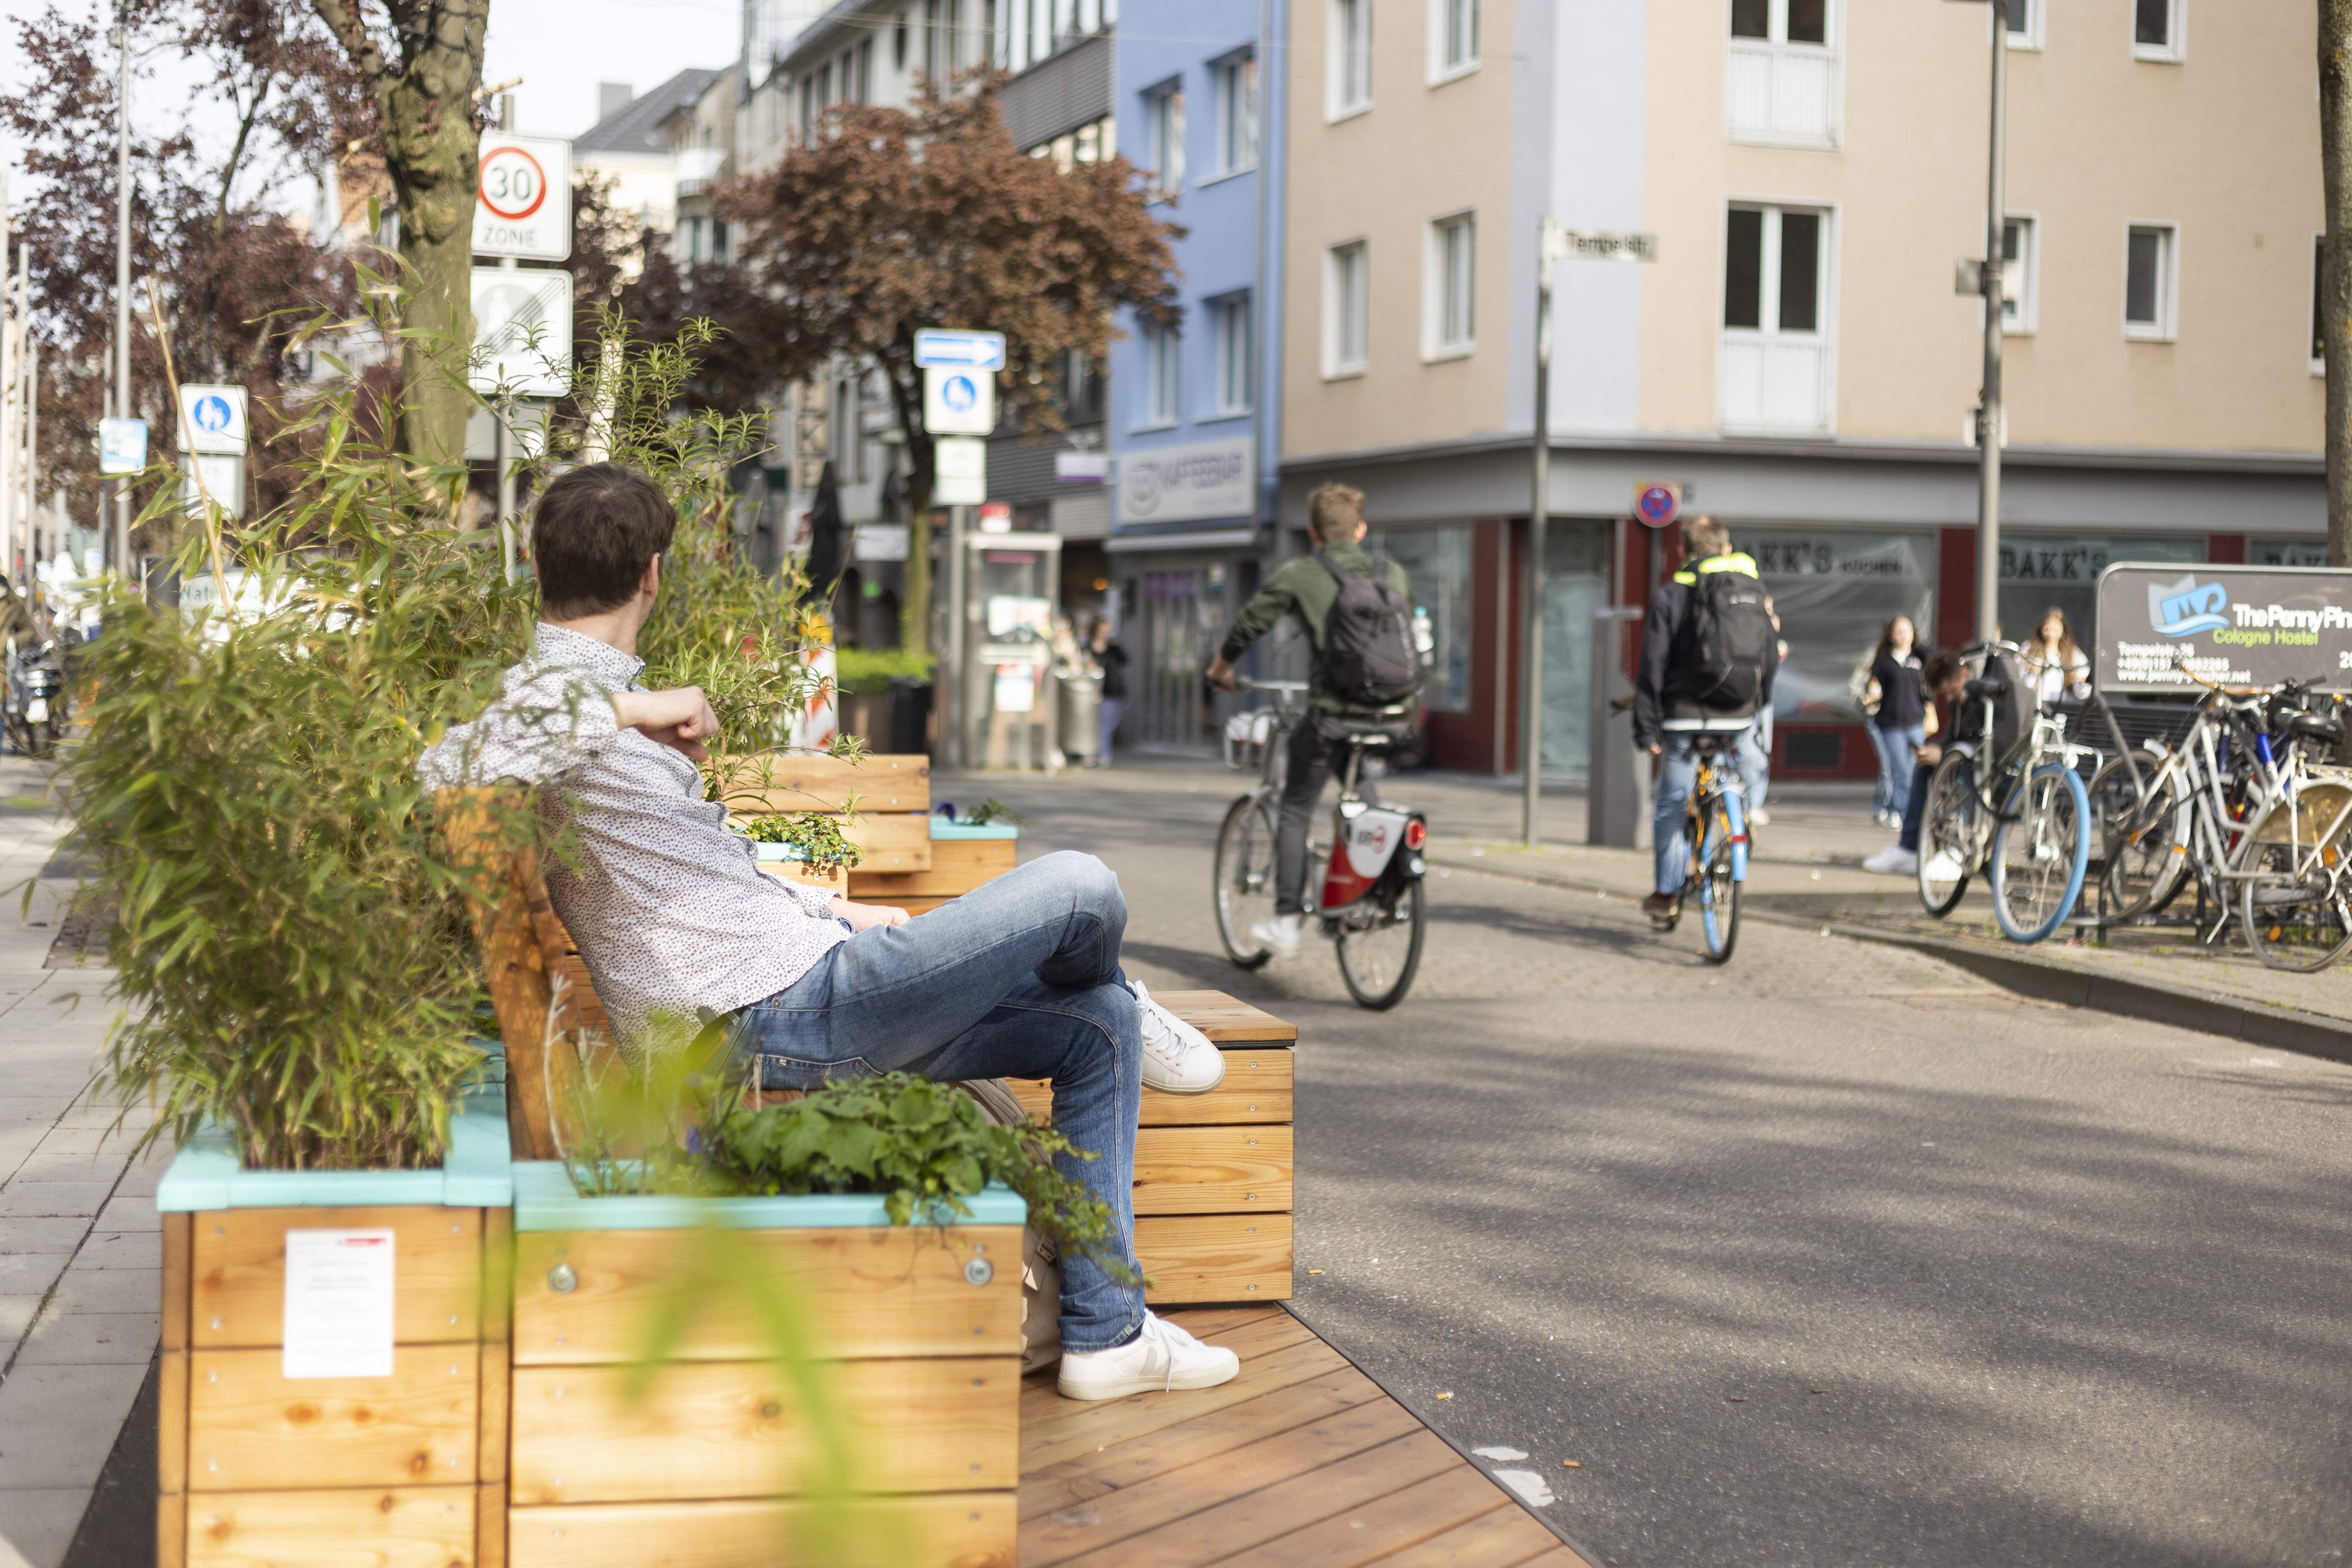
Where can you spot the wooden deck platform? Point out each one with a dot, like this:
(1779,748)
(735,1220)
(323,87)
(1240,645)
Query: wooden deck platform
(1301,1462)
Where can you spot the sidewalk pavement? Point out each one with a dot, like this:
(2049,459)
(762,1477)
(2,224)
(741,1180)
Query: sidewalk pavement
(79,1258)
(1806,870)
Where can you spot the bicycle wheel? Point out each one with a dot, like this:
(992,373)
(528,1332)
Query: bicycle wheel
(2040,852)
(2291,921)
(2143,840)
(1718,890)
(1951,833)
(1245,884)
(1380,945)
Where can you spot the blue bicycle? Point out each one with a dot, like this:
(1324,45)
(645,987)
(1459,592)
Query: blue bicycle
(1715,827)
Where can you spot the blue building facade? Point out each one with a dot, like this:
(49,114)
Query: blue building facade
(1193,415)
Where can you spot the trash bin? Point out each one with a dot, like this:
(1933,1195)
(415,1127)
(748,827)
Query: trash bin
(910,715)
(1081,715)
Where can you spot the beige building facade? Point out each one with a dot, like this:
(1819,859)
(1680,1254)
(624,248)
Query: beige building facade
(1797,357)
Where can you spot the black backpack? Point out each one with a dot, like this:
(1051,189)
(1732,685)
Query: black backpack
(1731,639)
(1367,655)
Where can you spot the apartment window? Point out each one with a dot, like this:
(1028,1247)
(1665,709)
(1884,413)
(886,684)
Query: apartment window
(1229,322)
(1161,346)
(1236,101)
(1349,88)
(1453,38)
(2319,305)
(2020,265)
(2024,24)
(1163,138)
(1347,308)
(1452,309)
(2159,29)
(1780,73)
(1777,364)
(2151,281)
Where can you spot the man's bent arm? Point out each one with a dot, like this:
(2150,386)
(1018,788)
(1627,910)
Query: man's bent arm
(1260,616)
(1650,682)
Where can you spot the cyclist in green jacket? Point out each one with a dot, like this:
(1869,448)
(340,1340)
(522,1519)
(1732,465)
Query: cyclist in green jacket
(1305,590)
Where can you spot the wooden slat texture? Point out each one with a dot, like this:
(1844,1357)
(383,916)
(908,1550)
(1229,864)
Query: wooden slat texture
(495,1406)
(780,781)
(171,1422)
(171,1530)
(490,1525)
(179,1271)
(958,865)
(1225,1019)
(891,840)
(1257,1089)
(880,1292)
(965,1530)
(1215,1257)
(1212,1169)
(240,1271)
(722,1429)
(400,1527)
(1301,1460)
(251,1428)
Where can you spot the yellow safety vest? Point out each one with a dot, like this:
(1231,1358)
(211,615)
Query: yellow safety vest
(1738,561)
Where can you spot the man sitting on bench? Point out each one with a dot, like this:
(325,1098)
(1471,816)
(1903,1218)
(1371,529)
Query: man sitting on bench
(1019,978)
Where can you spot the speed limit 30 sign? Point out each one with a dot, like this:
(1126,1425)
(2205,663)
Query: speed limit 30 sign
(522,207)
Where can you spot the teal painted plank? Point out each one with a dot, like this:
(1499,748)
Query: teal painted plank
(477,1172)
(545,1199)
(942,828)
(198,1177)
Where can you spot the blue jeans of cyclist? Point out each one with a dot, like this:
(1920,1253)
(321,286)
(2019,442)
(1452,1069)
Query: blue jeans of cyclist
(1677,763)
(1018,978)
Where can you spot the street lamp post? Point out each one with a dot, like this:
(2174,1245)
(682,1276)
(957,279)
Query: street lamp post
(1538,511)
(121,40)
(1990,280)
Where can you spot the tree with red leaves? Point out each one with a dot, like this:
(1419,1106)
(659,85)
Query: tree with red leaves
(891,220)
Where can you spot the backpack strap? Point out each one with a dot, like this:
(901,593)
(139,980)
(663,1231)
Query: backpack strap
(1333,567)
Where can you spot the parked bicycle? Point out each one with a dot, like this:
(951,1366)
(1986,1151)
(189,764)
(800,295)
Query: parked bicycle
(2021,817)
(1715,828)
(1370,900)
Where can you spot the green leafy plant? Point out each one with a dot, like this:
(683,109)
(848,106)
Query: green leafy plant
(871,669)
(988,811)
(925,1147)
(815,833)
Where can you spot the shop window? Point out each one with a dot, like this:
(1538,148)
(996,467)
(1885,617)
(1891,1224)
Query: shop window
(1576,584)
(2039,574)
(2287,553)
(1437,562)
(1780,73)
(1833,592)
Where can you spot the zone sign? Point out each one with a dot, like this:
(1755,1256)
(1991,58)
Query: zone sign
(522,207)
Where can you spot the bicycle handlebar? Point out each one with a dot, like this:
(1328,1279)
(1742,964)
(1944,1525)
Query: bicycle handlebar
(1247,683)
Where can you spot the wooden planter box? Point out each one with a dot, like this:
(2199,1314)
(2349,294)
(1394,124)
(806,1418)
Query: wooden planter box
(919,1327)
(256,1467)
(892,793)
(961,858)
(1213,1172)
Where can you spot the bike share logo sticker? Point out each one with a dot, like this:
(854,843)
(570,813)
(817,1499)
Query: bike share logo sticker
(2183,609)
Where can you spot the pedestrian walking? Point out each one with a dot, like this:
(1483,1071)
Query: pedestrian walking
(2058,669)
(1944,677)
(1111,659)
(1895,729)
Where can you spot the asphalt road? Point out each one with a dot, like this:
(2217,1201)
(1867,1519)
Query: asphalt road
(1835,1256)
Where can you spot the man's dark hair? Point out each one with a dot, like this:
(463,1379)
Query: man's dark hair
(1942,664)
(594,532)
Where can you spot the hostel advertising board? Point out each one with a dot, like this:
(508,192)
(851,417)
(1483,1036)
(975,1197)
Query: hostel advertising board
(2239,626)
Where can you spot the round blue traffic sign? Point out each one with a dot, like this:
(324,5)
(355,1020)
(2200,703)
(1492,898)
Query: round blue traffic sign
(211,414)
(1657,505)
(959,394)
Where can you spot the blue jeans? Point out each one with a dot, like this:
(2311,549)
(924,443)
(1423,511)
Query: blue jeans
(1915,809)
(1018,978)
(1107,726)
(1755,760)
(1677,764)
(1899,750)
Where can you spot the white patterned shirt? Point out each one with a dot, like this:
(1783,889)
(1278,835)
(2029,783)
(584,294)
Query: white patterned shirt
(668,907)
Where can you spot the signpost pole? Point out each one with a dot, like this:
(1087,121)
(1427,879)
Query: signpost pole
(1989,413)
(1538,509)
(952,688)
(121,40)
(504,453)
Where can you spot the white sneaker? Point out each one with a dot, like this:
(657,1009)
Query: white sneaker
(1177,1057)
(1279,936)
(1760,817)
(1944,866)
(1162,1359)
(1893,861)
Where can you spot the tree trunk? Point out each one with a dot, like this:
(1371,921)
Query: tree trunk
(435,151)
(915,614)
(2335,272)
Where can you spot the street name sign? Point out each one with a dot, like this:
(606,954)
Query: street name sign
(959,401)
(958,471)
(121,446)
(522,327)
(2239,626)
(953,348)
(212,419)
(522,201)
(1600,245)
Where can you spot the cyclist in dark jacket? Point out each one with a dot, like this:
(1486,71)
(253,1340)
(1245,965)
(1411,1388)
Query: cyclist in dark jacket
(1662,692)
(1302,588)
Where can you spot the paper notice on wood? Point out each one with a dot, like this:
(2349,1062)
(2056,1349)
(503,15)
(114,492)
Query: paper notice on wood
(339,1304)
